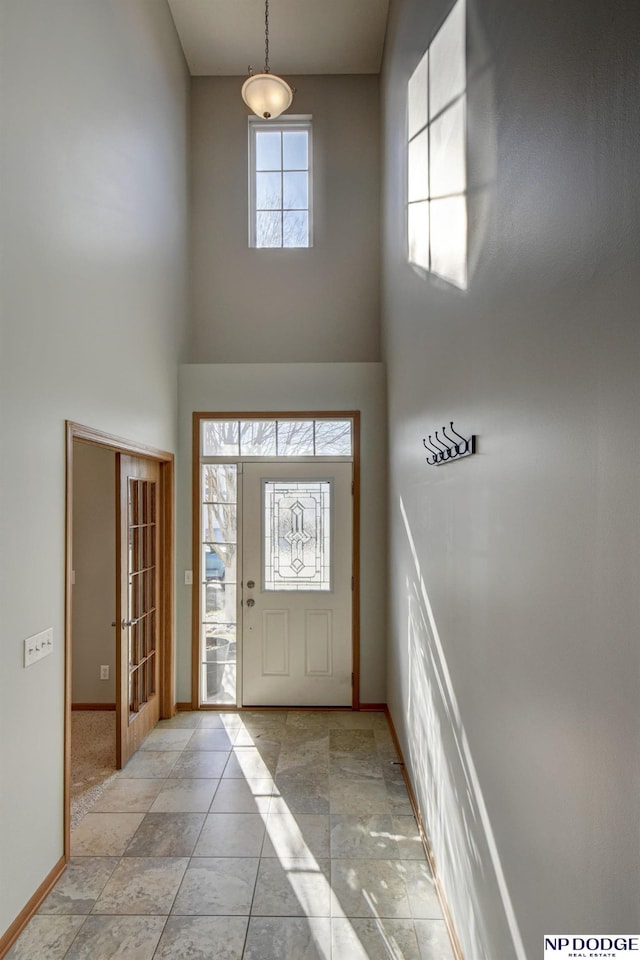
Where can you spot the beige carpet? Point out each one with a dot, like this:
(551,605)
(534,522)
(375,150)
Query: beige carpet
(93,758)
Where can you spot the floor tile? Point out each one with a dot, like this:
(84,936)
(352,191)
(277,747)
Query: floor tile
(105,938)
(378,939)
(369,888)
(343,767)
(231,835)
(294,794)
(47,938)
(149,765)
(293,888)
(433,940)
(145,885)
(211,740)
(398,797)
(421,890)
(202,938)
(354,837)
(128,796)
(212,720)
(276,938)
(104,834)
(297,835)
(167,738)
(359,797)
(306,754)
(182,720)
(166,835)
(220,886)
(355,743)
(248,762)
(358,720)
(242,796)
(185,796)
(79,886)
(200,765)
(408,838)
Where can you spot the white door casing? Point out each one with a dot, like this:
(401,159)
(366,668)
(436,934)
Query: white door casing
(297,646)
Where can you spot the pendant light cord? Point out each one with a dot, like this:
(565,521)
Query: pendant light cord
(266,36)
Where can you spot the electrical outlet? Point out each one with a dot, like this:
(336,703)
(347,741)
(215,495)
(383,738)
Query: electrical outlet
(104,672)
(38,646)
(188,578)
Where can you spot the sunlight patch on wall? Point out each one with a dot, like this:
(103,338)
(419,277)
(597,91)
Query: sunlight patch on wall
(437,172)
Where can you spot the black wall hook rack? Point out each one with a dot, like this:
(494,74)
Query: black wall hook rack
(444,449)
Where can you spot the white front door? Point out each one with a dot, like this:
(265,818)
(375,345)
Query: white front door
(297,584)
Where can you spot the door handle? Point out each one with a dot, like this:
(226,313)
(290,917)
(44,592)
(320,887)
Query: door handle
(251,602)
(125,623)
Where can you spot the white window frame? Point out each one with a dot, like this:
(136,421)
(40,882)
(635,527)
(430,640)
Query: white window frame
(295,122)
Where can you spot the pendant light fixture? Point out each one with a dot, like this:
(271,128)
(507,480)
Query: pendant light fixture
(266,94)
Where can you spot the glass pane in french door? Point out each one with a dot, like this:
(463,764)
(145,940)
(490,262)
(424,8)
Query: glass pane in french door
(218,583)
(142,599)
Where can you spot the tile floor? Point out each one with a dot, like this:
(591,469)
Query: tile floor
(248,836)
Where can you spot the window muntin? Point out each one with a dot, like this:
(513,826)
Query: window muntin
(280,187)
(304,437)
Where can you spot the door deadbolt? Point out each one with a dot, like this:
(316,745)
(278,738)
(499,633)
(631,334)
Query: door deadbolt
(251,584)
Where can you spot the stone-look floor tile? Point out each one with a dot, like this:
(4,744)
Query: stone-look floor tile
(212,740)
(377,939)
(363,838)
(79,886)
(301,791)
(202,938)
(221,886)
(128,796)
(243,796)
(433,940)
(183,720)
(215,721)
(398,796)
(369,888)
(201,764)
(231,835)
(293,888)
(421,891)
(250,763)
(104,834)
(353,743)
(304,754)
(408,838)
(167,739)
(166,835)
(274,938)
(358,720)
(105,938)
(145,885)
(149,765)
(185,796)
(355,768)
(264,739)
(365,797)
(308,720)
(47,938)
(297,835)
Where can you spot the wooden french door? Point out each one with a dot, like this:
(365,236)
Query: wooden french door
(297,568)
(137,608)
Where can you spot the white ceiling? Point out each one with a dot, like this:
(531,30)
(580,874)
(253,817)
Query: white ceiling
(222,37)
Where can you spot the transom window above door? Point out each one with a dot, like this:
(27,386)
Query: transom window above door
(277,438)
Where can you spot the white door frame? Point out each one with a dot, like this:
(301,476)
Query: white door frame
(198,417)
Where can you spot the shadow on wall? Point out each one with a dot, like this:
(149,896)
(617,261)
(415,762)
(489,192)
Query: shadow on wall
(447,788)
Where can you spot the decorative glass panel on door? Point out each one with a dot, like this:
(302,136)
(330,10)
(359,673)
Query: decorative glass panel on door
(297,535)
(218,582)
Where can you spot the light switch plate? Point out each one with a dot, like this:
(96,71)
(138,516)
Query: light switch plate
(188,577)
(38,646)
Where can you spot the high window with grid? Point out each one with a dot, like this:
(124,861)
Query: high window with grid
(280,188)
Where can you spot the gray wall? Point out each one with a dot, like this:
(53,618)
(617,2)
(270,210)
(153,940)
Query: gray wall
(513,662)
(93,207)
(94,565)
(276,387)
(284,306)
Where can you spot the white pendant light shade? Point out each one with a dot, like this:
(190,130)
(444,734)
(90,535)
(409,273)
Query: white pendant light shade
(267,95)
